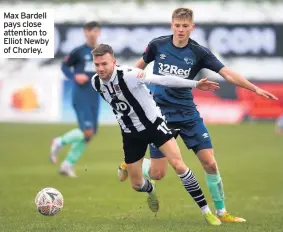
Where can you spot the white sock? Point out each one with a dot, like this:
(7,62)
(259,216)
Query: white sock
(220,212)
(146,186)
(66,165)
(205,210)
(59,141)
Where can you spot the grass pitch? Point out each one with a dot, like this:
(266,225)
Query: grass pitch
(250,157)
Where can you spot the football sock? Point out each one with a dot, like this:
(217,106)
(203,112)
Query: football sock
(72,136)
(76,151)
(215,187)
(146,167)
(146,186)
(192,186)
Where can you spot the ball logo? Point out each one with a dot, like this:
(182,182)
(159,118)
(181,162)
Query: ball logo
(52,195)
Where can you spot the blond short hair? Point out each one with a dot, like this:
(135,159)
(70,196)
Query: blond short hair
(102,49)
(183,13)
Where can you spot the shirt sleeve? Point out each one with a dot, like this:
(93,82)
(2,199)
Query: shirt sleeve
(150,52)
(210,61)
(69,64)
(71,59)
(132,76)
(167,80)
(136,77)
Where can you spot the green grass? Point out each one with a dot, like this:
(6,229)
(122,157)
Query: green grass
(250,157)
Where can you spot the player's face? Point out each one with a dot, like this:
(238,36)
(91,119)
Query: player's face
(182,28)
(104,65)
(92,35)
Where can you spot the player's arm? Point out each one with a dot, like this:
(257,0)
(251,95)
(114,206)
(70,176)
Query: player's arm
(69,63)
(176,82)
(73,61)
(67,70)
(237,79)
(141,63)
(148,56)
(211,62)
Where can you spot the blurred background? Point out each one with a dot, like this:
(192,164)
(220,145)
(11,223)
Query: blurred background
(245,35)
(35,107)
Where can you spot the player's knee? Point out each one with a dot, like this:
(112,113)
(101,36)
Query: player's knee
(211,167)
(208,161)
(157,174)
(136,185)
(179,165)
(88,134)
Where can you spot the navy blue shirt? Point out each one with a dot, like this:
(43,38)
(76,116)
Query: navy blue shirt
(175,103)
(80,60)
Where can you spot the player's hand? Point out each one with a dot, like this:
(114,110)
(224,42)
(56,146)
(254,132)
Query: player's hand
(81,78)
(206,85)
(264,93)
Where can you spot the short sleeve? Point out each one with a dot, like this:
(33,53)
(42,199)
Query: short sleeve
(72,59)
(134,77)
(150,52)
(210,61)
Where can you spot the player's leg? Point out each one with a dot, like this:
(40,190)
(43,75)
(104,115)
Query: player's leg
(215,184)
(73,136)
(141,184)
(172,152)
(79,144)
(134,151)
(196,137)
(154,168)
(59,142)
(163,139)
(87,116)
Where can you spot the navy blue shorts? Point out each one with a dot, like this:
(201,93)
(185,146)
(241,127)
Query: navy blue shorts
(87,113)
(194,134)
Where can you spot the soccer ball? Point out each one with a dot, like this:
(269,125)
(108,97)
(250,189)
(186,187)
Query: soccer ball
(49,201)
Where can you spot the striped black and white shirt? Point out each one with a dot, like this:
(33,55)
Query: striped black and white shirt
(129,97)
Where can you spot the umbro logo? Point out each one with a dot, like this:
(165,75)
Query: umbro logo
(162,56)
(205,135)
